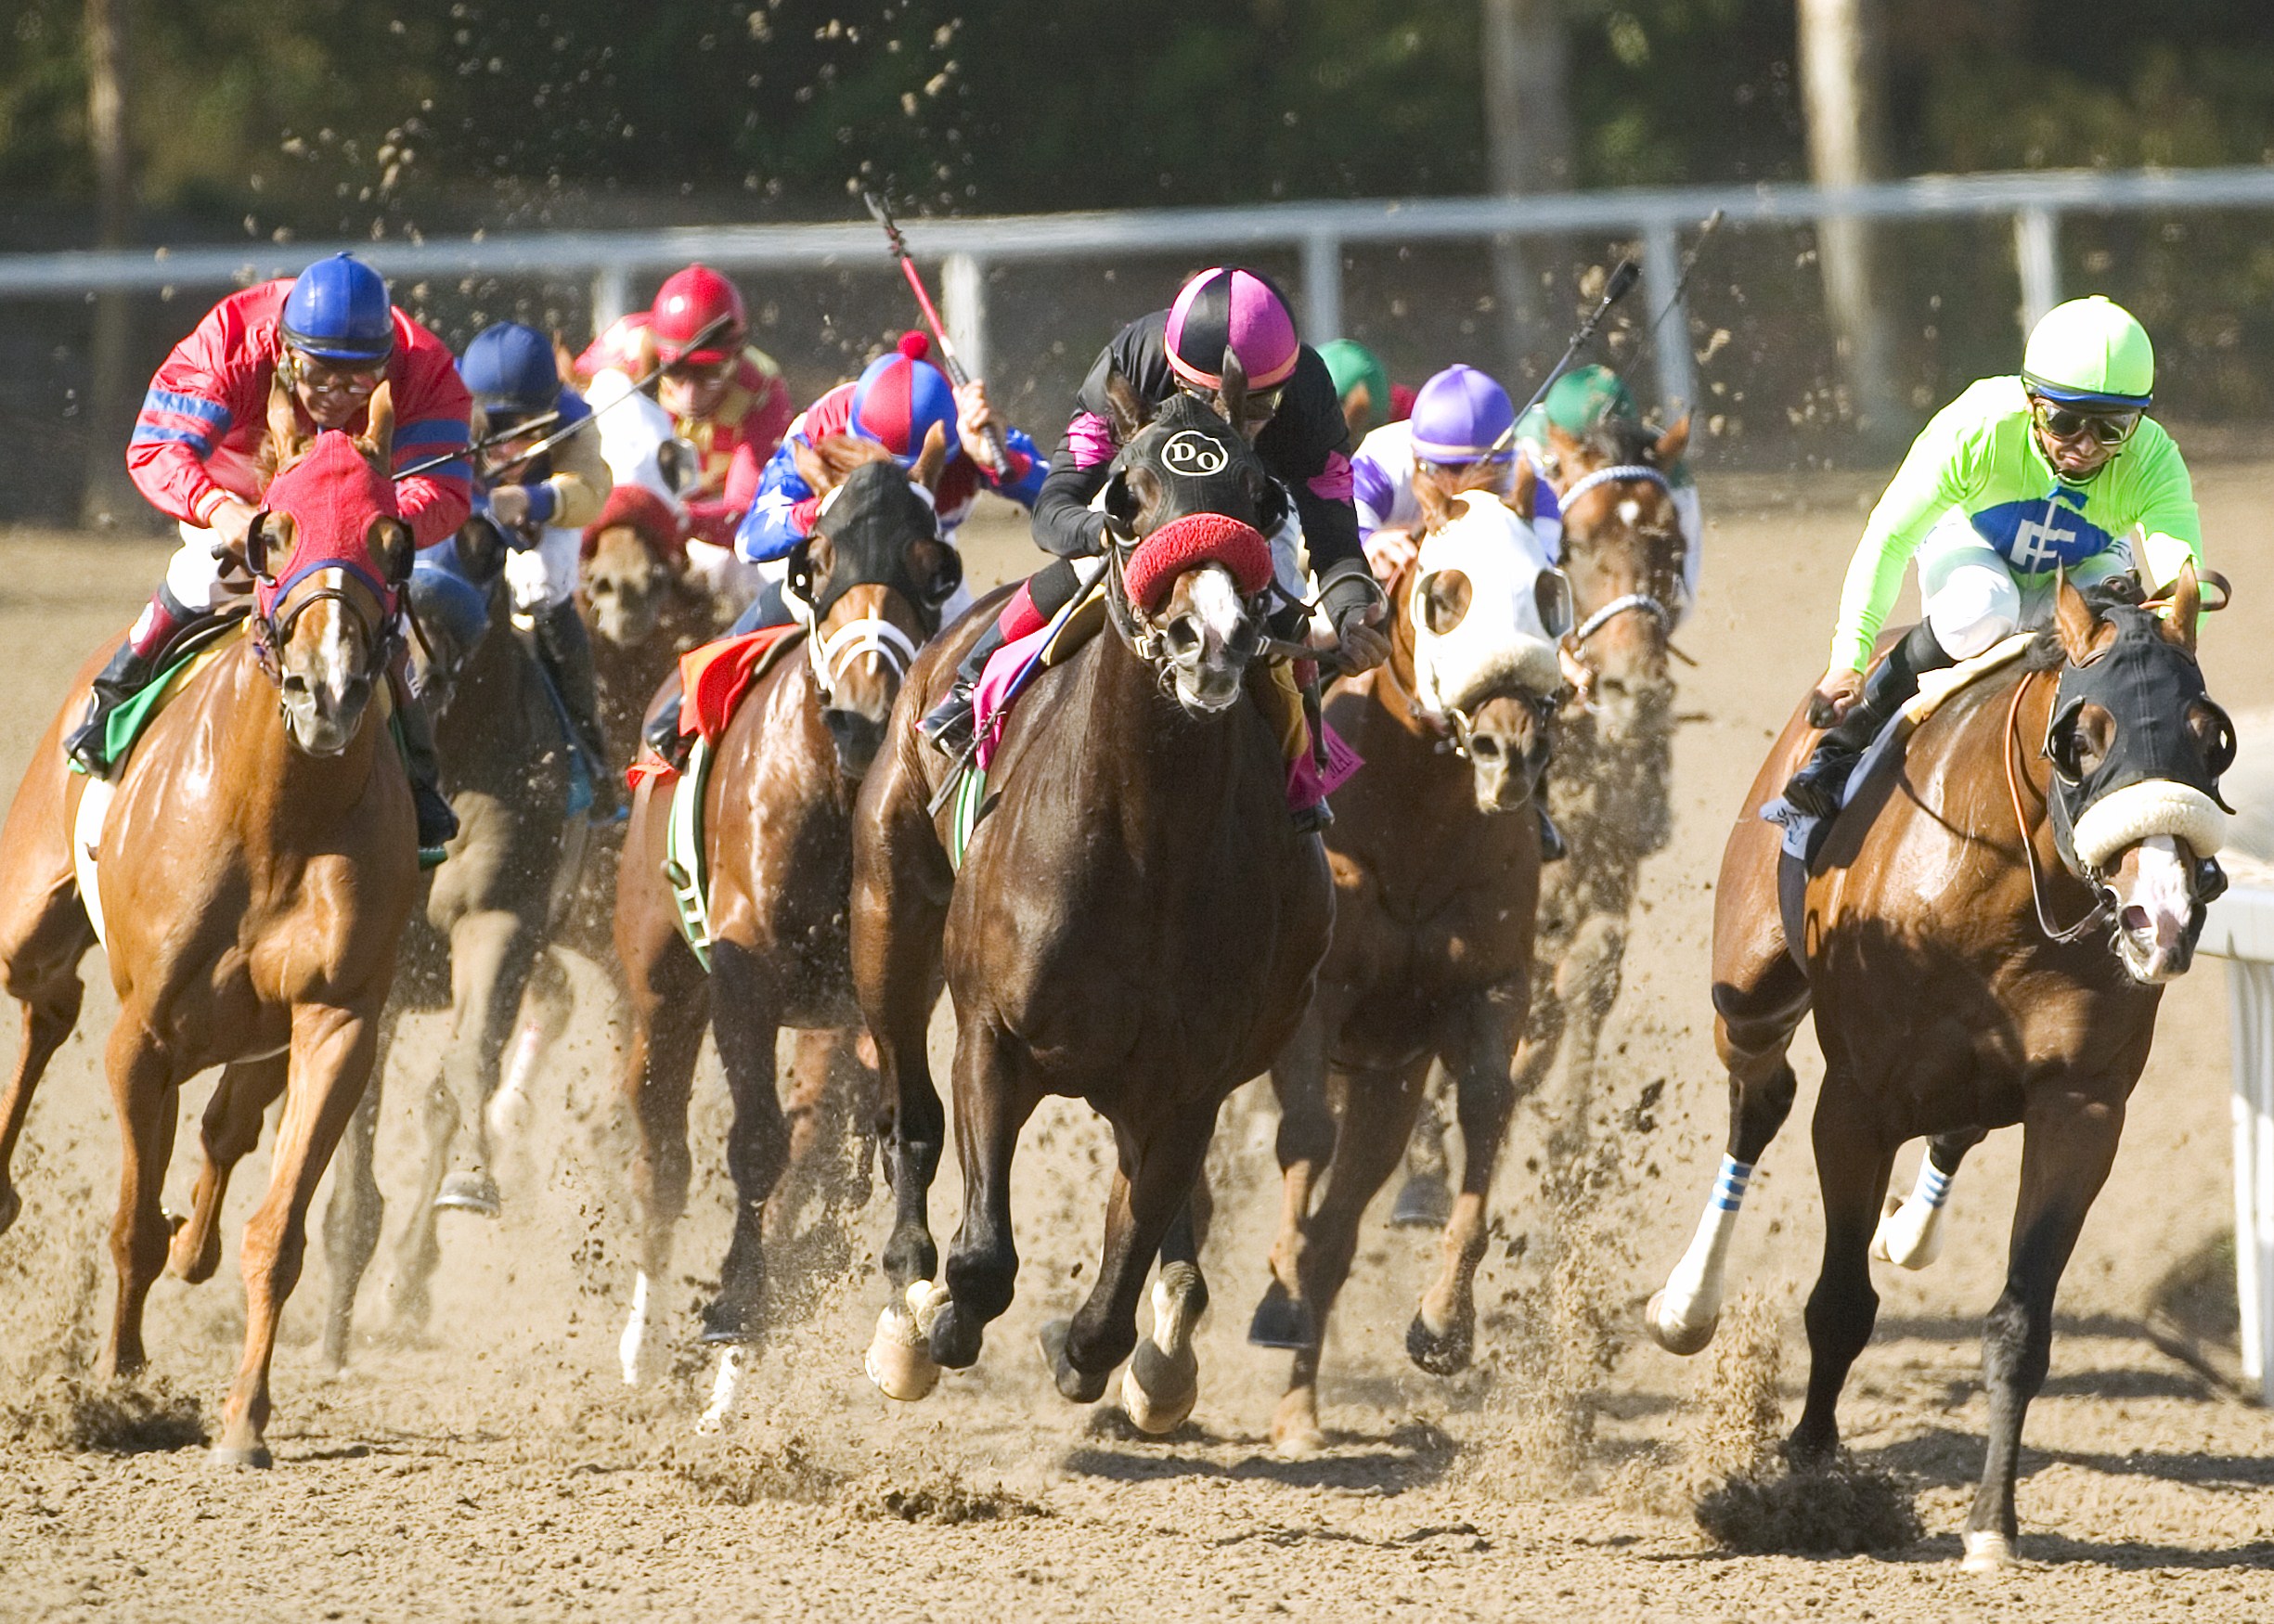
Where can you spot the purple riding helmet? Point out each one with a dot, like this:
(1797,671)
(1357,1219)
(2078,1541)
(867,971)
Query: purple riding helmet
(1462,416)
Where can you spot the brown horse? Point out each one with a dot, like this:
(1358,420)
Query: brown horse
(777,831)
(1948,1001)
(1135,923)
(1435,889)
(257,862)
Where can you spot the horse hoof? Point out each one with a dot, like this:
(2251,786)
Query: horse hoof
(899,1359)
(1424,1203)
(1283,1319)
(956,1337)
(1988,1553)
(725,1325)
(1079,1387)
(1673,1335)
(1296,1433)
(255,1459)
(1158,1392)
(1441,1353)
(1909,1236)
(474,1192)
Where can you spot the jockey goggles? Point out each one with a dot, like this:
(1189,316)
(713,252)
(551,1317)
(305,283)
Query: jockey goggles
(693,371)
(2107,428)
(353,377)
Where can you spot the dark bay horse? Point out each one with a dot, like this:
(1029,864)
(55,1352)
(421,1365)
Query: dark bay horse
(778,830)
(257,862)
(1136,923)
(1436,885)
(1984,939)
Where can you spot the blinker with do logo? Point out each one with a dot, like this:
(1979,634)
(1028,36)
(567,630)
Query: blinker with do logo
(1194,455)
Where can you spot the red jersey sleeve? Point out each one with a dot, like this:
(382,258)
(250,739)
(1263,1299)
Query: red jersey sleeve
(211,382)
(432,408)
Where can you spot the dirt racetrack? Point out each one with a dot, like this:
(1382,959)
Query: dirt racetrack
(494,1465)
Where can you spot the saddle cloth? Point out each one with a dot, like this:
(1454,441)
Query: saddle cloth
(713,679)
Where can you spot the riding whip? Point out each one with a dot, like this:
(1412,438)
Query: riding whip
(1674,301)
(639,386)
(1623,276)
(956,376)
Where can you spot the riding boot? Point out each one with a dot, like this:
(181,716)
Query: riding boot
(949,723)
(663,735)
(125,676)
(437,823)
(1816,789)
(566,649)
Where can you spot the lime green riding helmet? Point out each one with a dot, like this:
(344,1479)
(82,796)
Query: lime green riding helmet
(2090,352)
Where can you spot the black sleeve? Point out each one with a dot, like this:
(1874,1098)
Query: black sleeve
(1062,522)
(1308,438)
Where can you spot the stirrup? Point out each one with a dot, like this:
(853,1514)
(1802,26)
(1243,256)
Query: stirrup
(1819,787)
(1554,849)
(949,723)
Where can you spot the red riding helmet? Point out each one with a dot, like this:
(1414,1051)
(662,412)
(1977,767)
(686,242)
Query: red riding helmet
(697,303)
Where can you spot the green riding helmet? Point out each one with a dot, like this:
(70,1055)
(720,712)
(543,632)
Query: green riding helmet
(1350,365)
(1585,396)
(2090,352)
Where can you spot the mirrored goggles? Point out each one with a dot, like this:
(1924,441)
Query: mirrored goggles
(2107,428)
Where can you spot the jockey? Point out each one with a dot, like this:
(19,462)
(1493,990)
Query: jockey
(1296,425)
(541,505)
(1460,419)
(896,402)
(1361,385)
(1576,403)
(2058,469)
(331,334)
(726,398)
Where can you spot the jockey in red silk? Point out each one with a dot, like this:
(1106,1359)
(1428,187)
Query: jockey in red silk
(1295,421)
(726,397)
(332,333)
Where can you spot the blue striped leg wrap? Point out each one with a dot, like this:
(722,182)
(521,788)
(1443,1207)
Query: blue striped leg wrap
(1729,1185)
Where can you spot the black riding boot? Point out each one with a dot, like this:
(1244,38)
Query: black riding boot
(127,674)
(663,737)
(1816,788)
(949,722)
(566,649)
(437,823)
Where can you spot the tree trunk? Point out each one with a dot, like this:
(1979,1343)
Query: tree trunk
(1527,139)
(1841,56)
(108,496)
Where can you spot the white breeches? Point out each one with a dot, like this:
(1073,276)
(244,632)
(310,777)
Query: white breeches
(1974,599)
(199,577)
(544,577)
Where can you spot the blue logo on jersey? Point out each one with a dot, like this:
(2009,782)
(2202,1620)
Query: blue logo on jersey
(2038,535)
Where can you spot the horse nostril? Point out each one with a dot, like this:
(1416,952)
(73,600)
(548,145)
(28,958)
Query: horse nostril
(296,685)
(1485,745)
(1183,640)
(2135,919)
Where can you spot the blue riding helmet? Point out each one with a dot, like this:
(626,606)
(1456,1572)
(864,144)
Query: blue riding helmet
(338,310)
(510,368)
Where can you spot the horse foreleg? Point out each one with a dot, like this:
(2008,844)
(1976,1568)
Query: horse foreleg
(746,1025)
(657,1084)
(332,1055)
(994,1095)
(143,1089)
(1910,1232)
(1588,986)
(1305,1144)
(491,954)
(1377,1114)
(229,1130)
(2068,1145)
(51,1010)
(353,1218)
(546,1003)
(1852,1170)
(1443,1331)
(814,1113)
(1425,1200)
(1162,1383)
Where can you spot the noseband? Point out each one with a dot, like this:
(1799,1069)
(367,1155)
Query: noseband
(271,632)
(1632,602)
(866,634)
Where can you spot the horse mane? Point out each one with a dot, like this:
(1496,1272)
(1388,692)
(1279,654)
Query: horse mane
(2117,599)
(1623,442)
(1182,410)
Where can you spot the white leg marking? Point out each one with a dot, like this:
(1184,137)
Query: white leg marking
(1682,1316)
(726,1389)
(1911,1236)
(899,1357)
(1989,1553)
(635,1330)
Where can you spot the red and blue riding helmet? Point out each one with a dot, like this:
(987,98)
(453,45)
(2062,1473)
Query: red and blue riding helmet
(899,397)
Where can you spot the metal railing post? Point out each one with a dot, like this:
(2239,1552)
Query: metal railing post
(1662,272)
(2036,252)
(1321,287)
(962,296)
(611,296)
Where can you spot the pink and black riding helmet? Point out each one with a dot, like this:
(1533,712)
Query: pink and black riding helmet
(1228,308)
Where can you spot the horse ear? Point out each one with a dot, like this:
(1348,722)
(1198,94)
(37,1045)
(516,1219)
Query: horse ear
(283,420)
(2076,621)
(1439,507)
(1128,411)
(1524,495)
(393,547)
(2185,609)
(378,441)
(564,358)
(270,537)
(1234,392)
(1671,444)
(1561,448)
(933,458)
(481,550)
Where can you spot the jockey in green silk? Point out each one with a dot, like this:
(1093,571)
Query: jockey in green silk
(2058,469)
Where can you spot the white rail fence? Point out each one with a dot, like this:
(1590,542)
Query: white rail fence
(2035,202)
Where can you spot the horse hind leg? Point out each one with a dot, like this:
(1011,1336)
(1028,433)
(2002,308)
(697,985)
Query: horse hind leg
(1910,1232)
(1306,1143)
(51,1010)
(1852,1171)
(994,1095)
(229,1131)
(1162,1381)
(351,1220)
(1443,1335)
(547,1003)
(745,1026)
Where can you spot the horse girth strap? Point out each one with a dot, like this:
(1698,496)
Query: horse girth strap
(2009,748)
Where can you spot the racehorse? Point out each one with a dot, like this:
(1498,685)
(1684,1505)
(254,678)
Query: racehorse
(1135,922)
(257,862)
(1435,890)
(504,746)
(778,837)
(2076,785)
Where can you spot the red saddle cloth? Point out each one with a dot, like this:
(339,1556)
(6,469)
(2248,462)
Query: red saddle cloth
(712,680)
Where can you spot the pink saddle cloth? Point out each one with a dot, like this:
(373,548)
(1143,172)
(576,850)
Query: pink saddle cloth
(990,700)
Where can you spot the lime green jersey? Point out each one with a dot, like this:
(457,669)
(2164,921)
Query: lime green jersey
(1979,458)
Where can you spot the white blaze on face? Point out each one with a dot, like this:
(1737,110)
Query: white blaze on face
(1206,680)
(2159,903)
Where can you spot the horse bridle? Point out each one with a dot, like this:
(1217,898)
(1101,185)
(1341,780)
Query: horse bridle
(271,632)
(1631,602)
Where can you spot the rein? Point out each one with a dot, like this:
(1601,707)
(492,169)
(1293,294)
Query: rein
(1632,602)
(2021,823)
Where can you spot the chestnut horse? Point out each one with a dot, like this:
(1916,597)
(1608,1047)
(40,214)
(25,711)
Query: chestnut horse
(1136,923)
(1436,885)
(1949,999)
(777,831)
(257,862)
